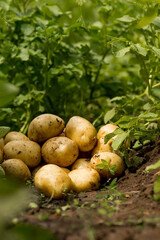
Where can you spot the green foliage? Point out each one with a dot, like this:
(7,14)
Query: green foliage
(63,57)
(4,131)
(156,189)
(105,165)
(153,166)
(109,203)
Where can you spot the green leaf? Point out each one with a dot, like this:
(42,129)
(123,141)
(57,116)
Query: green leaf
(113,169)
(149,16)
(119,140)
(105,163)
(113,134)
(153,166)
(24,54)
(149,1)
(139,49)
(122,52)
(7,92)
(109,115)
(156,51)
(4,131)
(126,18)
(156,22)
(156,189)
(113,182)
(27,29)
(117,46)
(148,115)
(100,166)
(137,145)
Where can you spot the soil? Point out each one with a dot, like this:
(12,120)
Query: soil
(129,213)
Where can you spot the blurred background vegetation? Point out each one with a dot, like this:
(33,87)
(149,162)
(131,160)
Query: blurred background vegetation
(77,57)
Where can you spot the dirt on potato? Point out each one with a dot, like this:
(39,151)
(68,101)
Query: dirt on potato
(130,213)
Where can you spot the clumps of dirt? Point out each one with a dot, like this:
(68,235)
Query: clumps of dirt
(129,214)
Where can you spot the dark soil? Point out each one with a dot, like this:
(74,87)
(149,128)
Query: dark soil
(130,213)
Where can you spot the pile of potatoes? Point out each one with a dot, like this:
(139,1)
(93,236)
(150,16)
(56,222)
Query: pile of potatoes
(60,158)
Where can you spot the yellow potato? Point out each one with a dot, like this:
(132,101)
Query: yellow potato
(65,169)
(106,129)
(61,151)
(82,132)
(35,169)
(113,160)
(28,151)
(44,127)
(1,149)
(13,136)
(81,163)
(84,179)
(102,147)
(52,181)
(16,168)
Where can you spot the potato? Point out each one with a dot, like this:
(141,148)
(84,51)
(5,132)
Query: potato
(61,151)
(35,169)
(28,151)
(112,160)
(65,169)
(44,127)
(102,147)
(13,136)
(81,163)
(52,181)
(84,179)
(1,149)
(16,168)
(82,132)
(106,129)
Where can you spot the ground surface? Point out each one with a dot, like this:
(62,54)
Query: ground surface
(128,214)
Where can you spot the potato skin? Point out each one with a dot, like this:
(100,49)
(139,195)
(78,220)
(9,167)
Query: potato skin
(14,136)
(82,132)
(61,151)
(65,169)
(16,168)
(1,149)
(102,147)
(106,129)
(45,126)
(81,163)
(28,151)
(112,159)
(84,179)
(51,179)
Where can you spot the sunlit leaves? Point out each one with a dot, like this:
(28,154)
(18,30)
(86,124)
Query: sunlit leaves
(149,16)
(109,115)
(126,18)
(4,131)
(118,141)
(27,29)
(139,49)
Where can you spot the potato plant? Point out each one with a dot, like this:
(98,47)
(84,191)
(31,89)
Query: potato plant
(95,59)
